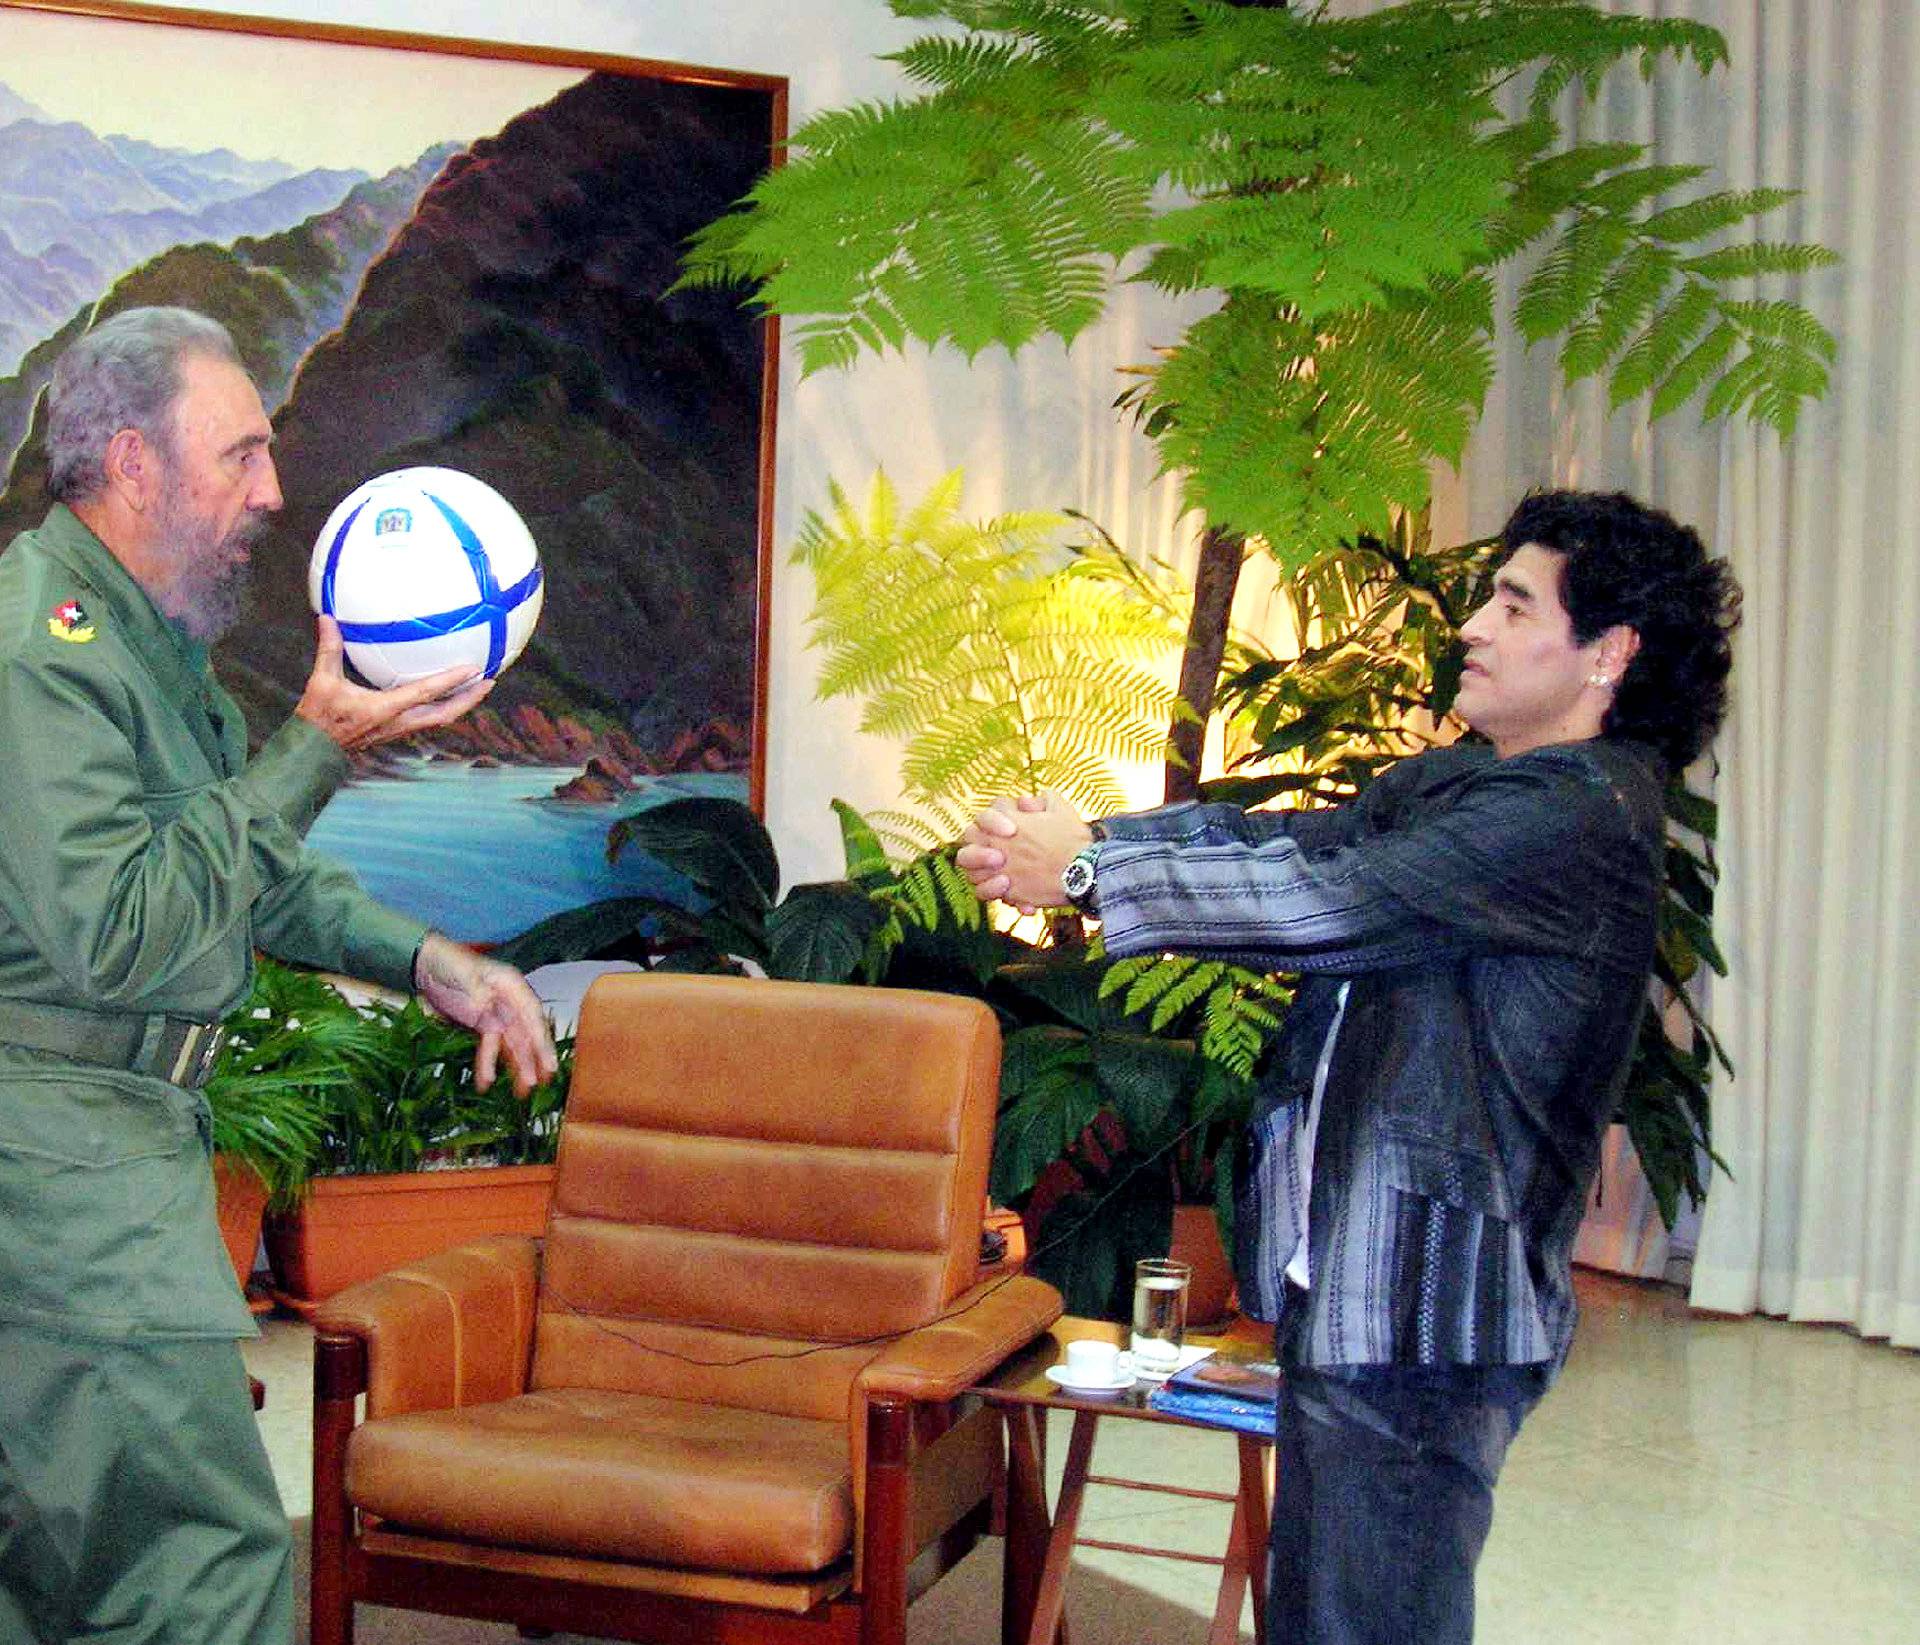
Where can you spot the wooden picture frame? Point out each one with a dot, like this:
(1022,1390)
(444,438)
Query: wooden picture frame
(496,300)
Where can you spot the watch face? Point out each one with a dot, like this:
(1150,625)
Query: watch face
(1076,879)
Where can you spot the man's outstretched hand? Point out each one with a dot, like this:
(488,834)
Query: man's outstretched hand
(1016,850)
(495,1001)
(356,717)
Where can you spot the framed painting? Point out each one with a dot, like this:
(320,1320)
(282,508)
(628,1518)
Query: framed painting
(443,252)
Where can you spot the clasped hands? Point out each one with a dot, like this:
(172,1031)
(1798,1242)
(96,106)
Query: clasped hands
(1017,849)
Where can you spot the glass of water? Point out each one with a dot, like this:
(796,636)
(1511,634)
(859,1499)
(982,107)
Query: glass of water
(1159,1315)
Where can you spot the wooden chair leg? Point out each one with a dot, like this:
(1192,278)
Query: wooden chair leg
(339,1376)
(883,1600)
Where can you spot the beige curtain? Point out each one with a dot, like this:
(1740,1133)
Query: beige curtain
(1819,780)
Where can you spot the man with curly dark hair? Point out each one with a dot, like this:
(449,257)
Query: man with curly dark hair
(1622,563)
(1474,937)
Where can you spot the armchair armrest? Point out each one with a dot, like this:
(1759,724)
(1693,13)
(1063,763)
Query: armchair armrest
(444,1331)
(977,1330)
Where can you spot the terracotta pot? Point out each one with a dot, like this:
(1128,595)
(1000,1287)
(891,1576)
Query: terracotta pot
(1196,1242)
(351,1228)
(242,1200)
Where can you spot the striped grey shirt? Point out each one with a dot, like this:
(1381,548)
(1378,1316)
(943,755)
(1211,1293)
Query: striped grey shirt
(1495,920)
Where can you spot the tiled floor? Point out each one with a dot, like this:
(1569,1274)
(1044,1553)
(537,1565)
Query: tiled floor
(1739,1481)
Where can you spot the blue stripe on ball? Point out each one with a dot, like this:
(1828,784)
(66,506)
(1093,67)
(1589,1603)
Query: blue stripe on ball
(433,626)
(333,556)
(469,541)
(491,608)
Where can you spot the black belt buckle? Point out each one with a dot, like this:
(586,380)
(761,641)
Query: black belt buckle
(200,1047)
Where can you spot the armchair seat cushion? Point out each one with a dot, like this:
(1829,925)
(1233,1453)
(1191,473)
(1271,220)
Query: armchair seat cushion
(618,1475)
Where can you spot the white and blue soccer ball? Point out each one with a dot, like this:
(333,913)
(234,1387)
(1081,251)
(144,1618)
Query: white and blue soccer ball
(425,569)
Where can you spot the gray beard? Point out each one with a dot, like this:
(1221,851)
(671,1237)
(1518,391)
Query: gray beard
(214,598)
(210,587)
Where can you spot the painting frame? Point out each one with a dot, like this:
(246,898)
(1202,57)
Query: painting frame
(448,53)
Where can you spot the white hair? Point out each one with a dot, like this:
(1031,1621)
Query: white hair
(125,373)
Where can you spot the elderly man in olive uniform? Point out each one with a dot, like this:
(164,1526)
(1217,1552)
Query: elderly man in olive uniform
(143,858)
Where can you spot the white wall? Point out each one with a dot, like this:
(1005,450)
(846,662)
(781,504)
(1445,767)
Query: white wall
(1031,433)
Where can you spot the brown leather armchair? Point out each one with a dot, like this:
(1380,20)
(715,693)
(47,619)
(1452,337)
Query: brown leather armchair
(722,1399)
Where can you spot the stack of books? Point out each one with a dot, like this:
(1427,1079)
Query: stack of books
(1226,1393)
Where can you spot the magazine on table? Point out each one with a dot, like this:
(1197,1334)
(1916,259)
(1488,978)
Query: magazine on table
(1225,1393)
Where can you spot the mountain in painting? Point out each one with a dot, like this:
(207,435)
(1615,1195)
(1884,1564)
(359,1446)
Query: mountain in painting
(278,295)
(519,328)
(85,209)
(15,107)
(196,180)
(39,294)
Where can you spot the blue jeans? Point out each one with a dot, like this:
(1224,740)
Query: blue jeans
(1383,1497)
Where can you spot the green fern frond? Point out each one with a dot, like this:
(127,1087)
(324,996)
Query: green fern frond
(1343,183)
(1630,294)
(1760,257)
(1636,185)
(971,63)
(1770,382)
(931,889)
(908,834)
(1697,219)
(1002,663)
(1560,290)
(1694,368)
(1786,322)
(1655,351)
(1230,1010)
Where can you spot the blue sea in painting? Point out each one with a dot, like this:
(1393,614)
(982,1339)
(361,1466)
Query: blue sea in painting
(483,852)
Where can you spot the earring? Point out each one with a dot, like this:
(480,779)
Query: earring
(1603,681)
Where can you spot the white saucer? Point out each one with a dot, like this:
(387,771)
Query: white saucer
(1058,1374)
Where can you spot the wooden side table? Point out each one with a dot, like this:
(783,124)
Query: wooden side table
(1039,1547)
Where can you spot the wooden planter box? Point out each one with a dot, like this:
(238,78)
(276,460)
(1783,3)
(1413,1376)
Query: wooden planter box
(351,1228)
(242,1200)
(1196,1241)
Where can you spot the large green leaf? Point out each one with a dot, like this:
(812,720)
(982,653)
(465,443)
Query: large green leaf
(1147,1081)
(1048,1097)
(597,930)
(1092,1238)
(1066,983)
(820,932)
(867,863)
(719,845)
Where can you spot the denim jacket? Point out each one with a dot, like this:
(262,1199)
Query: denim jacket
(1496,922)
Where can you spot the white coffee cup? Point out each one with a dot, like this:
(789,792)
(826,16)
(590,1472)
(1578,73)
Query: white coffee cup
(1093,1363)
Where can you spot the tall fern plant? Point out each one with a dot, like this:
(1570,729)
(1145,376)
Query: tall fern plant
(1005,661)
(1348,187)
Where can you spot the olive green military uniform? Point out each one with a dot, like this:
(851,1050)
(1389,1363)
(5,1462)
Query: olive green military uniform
(142,860)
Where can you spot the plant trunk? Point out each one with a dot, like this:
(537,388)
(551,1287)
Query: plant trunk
(1214,582)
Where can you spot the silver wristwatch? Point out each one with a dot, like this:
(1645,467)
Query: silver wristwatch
(1077,878)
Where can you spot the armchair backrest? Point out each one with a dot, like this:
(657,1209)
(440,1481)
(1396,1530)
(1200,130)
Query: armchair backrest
(758,1179)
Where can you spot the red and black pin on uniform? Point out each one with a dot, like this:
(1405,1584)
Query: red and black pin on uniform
(70,622)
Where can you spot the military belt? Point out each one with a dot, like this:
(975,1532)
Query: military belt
(174,1049)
